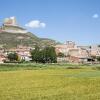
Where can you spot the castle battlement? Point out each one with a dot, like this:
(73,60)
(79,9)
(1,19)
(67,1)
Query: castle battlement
(10,25)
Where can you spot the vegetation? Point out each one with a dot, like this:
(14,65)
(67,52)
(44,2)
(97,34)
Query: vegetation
(10,40)
(35,54)
(50,82)
(46,55)
(99,45)
(98,58)
(13,57)
(60,54)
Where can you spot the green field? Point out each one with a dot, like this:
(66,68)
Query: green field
(55,82)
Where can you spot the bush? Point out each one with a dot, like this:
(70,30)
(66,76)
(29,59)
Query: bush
(12,61)
(13,57)
(74,67)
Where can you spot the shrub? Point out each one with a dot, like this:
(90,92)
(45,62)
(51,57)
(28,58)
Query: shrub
(74,67)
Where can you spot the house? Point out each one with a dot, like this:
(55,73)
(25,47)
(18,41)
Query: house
(22,51)
(95,50)
(78,55)
(72,52)
(64,48)
(2,57)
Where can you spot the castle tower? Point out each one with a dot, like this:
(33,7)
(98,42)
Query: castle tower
(10,21)
(13,20)
(10,25)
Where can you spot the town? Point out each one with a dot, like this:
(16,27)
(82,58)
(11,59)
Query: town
(66,52)
(49,49)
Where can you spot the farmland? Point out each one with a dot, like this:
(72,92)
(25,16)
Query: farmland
(49,82)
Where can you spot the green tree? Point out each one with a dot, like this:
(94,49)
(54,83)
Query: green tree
(50,55)
(60,54)
(41,56)
(35,54)
(13,57)
(46,55)
(98,58)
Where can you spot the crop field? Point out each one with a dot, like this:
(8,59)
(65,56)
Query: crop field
(49,83)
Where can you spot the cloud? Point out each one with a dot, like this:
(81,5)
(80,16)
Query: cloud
(12,17)
(35,24)
(95,16)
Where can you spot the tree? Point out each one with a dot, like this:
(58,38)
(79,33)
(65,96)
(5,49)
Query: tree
(35,54)
(46,55)
(53,55)
(90,47)
(13,57)
(41,58)
(50,55)
(99,45)
(60,54)
(93,57)
(98,58)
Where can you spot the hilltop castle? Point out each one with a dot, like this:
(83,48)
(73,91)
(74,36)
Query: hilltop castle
(10,25)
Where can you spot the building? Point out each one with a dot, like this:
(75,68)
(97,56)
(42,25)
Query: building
(72,52)
(2,57)
(78,55)
(95,50)
(10,21)
(10,25)
(22,51)
(64,48)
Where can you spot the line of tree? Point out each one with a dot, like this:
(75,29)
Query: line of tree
(46,55)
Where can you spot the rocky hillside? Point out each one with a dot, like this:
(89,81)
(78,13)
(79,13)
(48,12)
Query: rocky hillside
(9,40)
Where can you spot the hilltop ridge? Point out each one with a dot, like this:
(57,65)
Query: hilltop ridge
(9,40)
(12,35)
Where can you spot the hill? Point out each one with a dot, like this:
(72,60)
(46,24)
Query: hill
(9,40)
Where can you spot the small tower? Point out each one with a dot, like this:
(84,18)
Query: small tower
(70,44)
(13,19)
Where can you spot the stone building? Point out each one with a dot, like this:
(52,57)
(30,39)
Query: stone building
(72,52)
(10,25)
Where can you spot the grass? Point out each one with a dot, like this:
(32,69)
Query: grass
(49,82)
(31,66)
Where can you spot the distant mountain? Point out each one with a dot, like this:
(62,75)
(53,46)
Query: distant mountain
(10,40)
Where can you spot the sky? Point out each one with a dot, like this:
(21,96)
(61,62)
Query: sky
(61,20)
